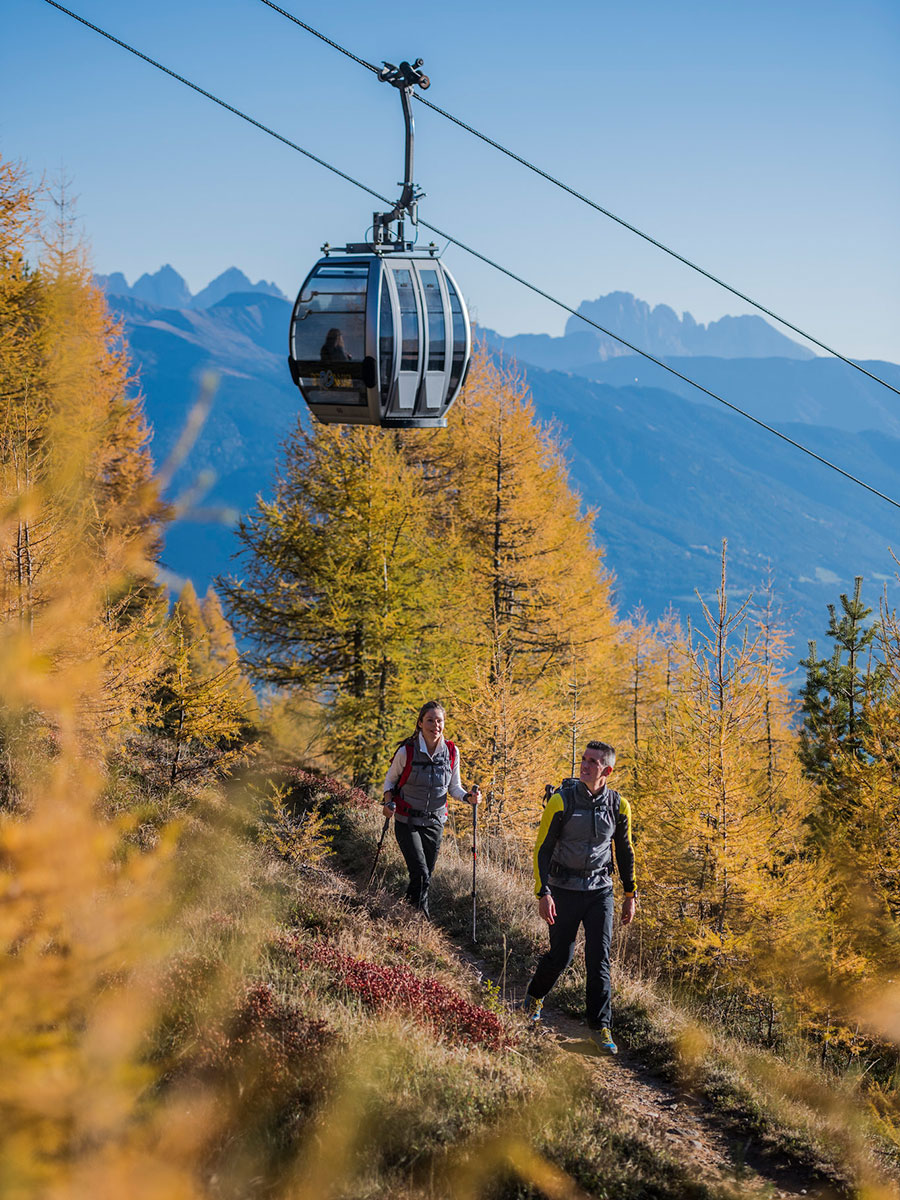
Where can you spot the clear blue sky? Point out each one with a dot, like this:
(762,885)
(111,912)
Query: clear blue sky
(760,139)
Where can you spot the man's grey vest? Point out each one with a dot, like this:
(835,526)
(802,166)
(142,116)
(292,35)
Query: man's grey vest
(425,788)
(582,858)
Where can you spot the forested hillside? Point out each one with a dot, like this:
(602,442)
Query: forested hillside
(669,472)
(208,990)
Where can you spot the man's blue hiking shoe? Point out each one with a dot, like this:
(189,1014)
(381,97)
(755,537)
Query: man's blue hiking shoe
(531,1008)
(603,1040)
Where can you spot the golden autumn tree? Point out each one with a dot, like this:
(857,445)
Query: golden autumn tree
(83,916)
(199,707)
(224,655)
(70,415)
(723,801)
(342,592)
(533,604)
(647,677)
(662,759)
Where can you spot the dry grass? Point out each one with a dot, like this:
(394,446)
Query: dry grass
(838,1125)
(423,1114)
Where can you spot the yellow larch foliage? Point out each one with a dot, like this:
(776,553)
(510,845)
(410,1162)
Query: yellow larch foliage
(342,588)
(532,605)
(722,801)
(82,919)
(75,470)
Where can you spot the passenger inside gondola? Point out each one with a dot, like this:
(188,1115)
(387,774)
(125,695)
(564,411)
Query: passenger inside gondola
(333,349)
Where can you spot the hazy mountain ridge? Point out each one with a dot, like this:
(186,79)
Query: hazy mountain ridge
(658,331)
(167,289)
(671,476)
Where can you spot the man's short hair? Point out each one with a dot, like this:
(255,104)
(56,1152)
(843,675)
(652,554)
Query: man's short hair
(605,753)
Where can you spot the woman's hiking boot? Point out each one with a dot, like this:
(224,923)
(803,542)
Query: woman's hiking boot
(531,1008)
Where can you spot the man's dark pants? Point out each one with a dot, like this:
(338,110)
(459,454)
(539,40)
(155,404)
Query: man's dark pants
(419,845)
(594,910)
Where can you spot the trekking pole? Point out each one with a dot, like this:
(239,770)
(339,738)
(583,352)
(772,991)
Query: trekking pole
(384,829)
(474,860)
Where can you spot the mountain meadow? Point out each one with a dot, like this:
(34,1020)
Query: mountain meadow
(219,621)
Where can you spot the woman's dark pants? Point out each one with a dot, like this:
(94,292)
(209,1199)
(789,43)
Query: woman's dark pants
(594,910)
(419,845)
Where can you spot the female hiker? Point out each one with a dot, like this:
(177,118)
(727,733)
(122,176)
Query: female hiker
(423,772)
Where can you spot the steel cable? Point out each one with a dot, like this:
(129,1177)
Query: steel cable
(598,207)
(482,257)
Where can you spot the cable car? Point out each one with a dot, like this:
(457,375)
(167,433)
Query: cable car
(380,334)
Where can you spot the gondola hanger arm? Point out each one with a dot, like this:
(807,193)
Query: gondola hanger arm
(404,78)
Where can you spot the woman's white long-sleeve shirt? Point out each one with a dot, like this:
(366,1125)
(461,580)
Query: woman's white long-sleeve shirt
(398,762)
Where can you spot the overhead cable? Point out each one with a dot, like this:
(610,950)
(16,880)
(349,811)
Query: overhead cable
(597,207)
(482,257)
(309,29)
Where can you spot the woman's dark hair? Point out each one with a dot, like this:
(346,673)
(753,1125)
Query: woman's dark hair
(427,707)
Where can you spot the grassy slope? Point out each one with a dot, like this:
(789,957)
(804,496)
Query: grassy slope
(361,1055)
(791,1110)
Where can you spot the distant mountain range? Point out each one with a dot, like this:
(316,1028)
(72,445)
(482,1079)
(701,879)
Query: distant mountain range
(166,288)
(671,472)
(658,331)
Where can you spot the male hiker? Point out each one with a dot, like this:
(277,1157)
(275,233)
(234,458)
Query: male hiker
(573,866)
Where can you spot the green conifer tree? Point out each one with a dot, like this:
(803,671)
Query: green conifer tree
(836,699)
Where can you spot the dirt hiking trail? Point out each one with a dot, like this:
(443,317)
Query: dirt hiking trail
(674,1120)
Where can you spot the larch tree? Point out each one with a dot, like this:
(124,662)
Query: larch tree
(535,596)
(74,462)
(224,654)
(84,911)
(666,811)
(197,711)
(648,665)
(342,590)
(725,818)
(23,332)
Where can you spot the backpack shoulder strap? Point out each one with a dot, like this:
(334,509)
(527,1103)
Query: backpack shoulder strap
(567,790)
(614,813)
(614,804)
(451,746)
(410,744)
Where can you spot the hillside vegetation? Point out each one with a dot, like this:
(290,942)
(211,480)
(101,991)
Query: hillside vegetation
(199,996)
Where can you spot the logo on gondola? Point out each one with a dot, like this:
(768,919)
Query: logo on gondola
(326,379)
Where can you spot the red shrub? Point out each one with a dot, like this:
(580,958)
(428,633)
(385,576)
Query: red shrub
(308,789)
(274,1034)
(261,1043)
(425,999)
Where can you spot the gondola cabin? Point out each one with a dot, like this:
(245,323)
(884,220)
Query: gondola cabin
(380,339)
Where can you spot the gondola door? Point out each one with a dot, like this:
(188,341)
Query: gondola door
(433,389)
(399,278)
